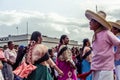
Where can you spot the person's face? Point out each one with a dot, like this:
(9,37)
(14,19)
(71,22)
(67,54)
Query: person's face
(39,39)
(114,30)
(94,25)
(88,43)
(11,46)
(66,40)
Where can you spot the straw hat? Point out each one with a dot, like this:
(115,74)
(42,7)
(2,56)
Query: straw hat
(99,17)
(115,24)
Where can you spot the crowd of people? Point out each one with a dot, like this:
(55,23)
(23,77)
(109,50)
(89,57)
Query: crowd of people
(97,61)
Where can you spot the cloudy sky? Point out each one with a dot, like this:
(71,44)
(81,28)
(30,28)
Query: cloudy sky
(53,17)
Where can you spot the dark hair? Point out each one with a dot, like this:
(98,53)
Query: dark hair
(84,43)
(50,51)
(62,50)
(10,42)
(35,35)
(61,42)
(5,47)
(62,37)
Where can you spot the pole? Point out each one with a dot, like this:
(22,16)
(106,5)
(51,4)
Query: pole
(17,30)
(27,28)
(96,8)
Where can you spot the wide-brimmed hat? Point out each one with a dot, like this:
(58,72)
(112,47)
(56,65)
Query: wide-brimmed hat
(99,17)
(115,24)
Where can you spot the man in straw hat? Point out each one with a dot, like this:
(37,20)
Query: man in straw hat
(116,30)
(102,44)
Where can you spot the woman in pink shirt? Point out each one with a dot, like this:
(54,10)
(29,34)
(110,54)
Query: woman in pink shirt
(102,45)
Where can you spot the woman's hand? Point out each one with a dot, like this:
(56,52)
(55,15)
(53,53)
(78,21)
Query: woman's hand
(72,64)
(60,73)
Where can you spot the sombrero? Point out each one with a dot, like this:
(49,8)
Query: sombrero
(115,24)
(99,17)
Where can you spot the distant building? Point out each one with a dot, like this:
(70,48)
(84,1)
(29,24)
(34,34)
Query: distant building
(24,40)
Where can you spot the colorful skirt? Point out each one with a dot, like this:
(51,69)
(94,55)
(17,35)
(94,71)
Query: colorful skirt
(40,73)
(69,72)
(86,68)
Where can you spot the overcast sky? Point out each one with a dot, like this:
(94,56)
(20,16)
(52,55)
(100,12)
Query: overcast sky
(53,17)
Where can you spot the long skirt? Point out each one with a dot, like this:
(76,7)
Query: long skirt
(69,72)
(41,73)
(86,68)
